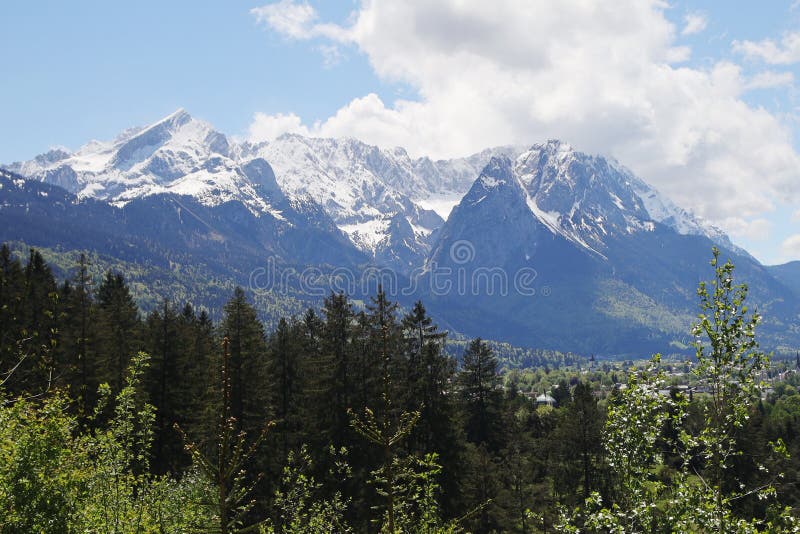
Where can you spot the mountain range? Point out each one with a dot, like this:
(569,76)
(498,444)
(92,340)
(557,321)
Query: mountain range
(541,246)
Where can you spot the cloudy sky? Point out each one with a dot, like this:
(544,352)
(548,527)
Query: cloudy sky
(699,98)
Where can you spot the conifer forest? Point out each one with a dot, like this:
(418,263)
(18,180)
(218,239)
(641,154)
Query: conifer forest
(362,419)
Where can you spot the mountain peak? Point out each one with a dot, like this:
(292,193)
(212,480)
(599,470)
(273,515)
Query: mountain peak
(498,170)
(179,116)
(141,145)
(554,146)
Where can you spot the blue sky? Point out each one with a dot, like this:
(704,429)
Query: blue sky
(719,133)
(74,71)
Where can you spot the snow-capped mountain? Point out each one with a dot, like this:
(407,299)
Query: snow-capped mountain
(361,187)
(366,188)
(551,246)
(608,264)
(346,175)
(584,199)
(178,154)
(587,198)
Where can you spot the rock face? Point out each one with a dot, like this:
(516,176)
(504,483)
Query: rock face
(546,247)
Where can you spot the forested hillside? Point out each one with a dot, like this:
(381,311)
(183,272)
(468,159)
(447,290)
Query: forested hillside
(360,419)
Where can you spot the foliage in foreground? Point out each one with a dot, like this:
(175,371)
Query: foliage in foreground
(56,478)
(699,495)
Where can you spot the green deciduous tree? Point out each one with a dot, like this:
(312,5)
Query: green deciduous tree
(696,498)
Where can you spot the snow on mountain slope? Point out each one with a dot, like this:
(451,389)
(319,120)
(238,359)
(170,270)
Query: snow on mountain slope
(663,210)
(361,187)
(457,175)
(341,172)
(355,182)
(449,180)
(587,198)
(178,154)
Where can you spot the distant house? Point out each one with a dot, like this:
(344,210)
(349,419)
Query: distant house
(545,400)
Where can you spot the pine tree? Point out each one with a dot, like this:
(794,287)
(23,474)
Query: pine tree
(76,338)
(481,397)
(248,373)
(577,445)
(12,288)
(226,466)
(165,384)
(379,343)
(118,337)
(283,356)
(383,425)
(316,374)
(39,327)
(482,405)
(426,375)
(518,466)
(482,486)
(336,351)
(199,373)
(429,373)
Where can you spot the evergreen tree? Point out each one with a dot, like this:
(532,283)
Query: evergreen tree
(482,486)
(166,384)
(336,352)
(577,446)
(426,372)
(118,337)
(76,337)
(482,405)
(39,327)
(518,466)
(199,372)
(226,465)
(406,506)
(284,361)
(379,344)
(248,374)
(316,374)
(481,397)
(429,373)
(12,288)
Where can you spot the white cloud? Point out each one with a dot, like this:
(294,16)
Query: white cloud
(287,17)
(755,230)
(267,127)
(769,79)
(331,55)
(796,215)
(784,53)
(790,248)
(694,23)
(604,76)
(298,20)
